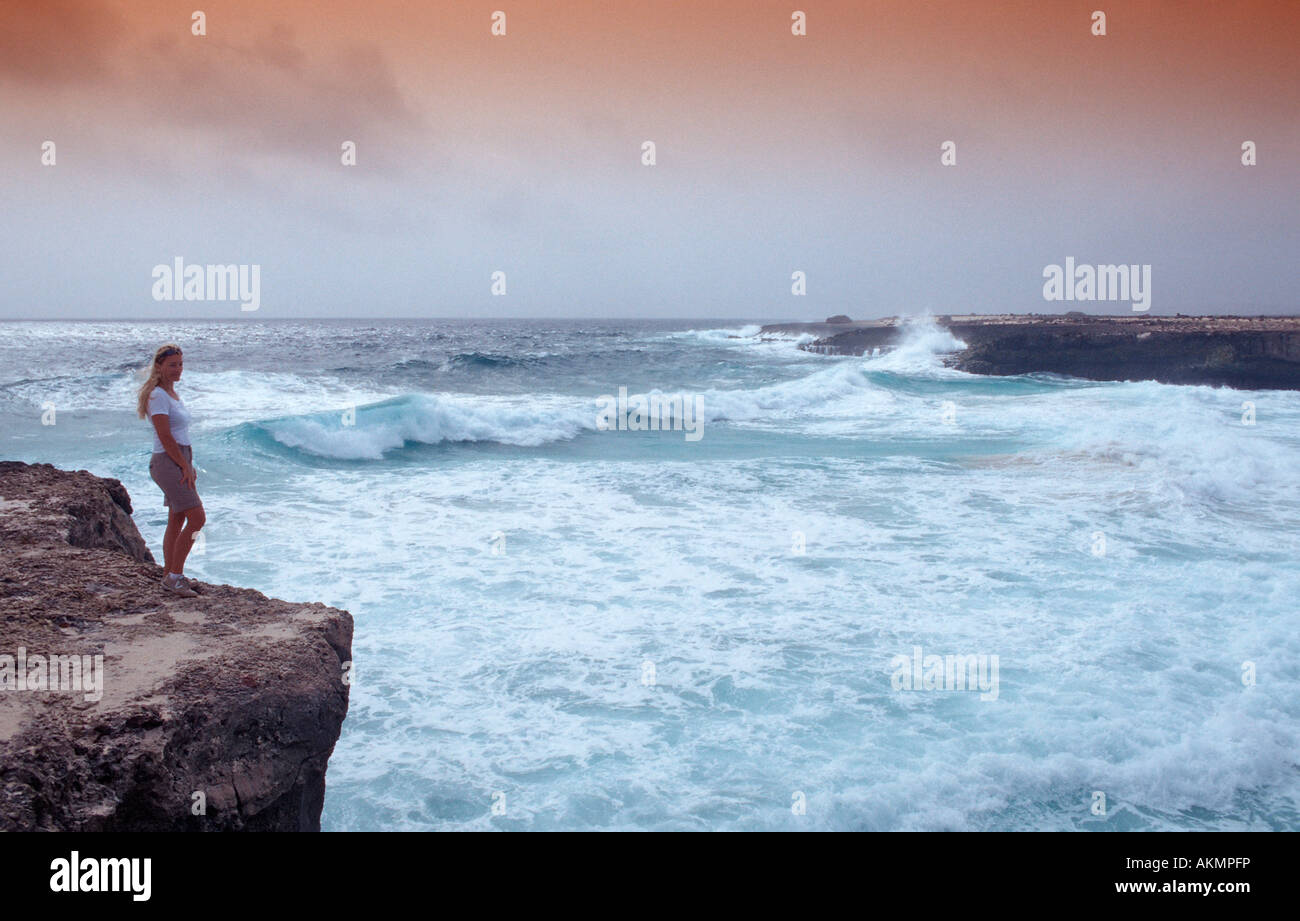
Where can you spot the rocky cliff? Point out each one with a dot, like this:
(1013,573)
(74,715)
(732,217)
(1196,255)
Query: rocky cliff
(1248,353)
(126,708)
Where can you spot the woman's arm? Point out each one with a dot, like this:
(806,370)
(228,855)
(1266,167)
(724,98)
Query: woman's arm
(163,425)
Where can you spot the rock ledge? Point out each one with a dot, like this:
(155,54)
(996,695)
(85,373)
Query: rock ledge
(1249,353)
(212,713)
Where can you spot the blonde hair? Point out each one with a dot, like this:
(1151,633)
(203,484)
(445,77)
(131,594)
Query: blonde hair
(153,377)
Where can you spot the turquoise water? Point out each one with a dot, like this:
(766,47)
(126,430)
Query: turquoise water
(627,629)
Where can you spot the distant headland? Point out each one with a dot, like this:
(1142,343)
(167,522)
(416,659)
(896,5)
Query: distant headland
(1248,353)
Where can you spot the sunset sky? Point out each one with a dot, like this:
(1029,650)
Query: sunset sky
(522,153)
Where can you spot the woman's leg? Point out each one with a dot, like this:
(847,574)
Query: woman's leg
(175,520)
(194,520)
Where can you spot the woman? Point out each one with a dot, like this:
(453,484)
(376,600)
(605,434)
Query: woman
(172,466)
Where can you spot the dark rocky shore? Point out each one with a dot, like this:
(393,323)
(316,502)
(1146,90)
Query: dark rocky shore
(231,695)
(1249,353)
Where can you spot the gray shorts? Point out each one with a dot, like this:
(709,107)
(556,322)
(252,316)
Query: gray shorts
(167,474)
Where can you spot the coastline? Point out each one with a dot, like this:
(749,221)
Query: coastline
(1247,353)
(212,713)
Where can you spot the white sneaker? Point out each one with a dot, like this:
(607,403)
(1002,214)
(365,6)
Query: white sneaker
(179,587)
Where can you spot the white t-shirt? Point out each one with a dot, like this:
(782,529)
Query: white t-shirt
(161,403)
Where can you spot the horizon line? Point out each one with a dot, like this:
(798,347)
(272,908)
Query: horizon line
(768,321)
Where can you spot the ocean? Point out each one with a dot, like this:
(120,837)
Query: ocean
(566,626)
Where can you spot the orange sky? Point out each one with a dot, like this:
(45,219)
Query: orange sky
(712,77)
(1047,117)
